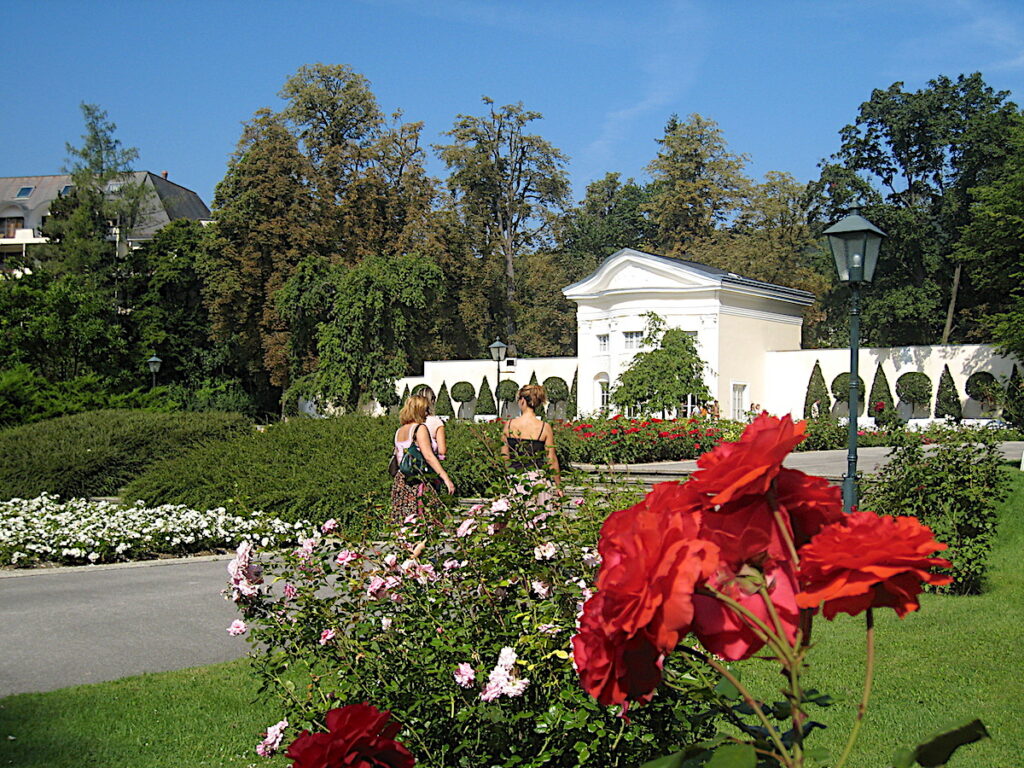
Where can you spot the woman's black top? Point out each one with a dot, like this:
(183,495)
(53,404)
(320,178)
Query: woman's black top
(527,454)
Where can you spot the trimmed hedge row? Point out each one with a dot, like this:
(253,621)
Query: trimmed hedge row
(95,453)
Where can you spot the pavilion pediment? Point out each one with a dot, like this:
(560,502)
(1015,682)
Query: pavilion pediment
(629,270)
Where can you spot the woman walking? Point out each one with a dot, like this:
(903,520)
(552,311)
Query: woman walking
(529,443)
(406,494)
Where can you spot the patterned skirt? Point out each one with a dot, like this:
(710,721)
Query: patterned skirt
(405,498)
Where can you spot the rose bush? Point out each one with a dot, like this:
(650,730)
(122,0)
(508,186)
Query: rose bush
(460,626)
(748,553)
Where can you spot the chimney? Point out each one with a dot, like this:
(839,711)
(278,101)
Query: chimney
(163,175)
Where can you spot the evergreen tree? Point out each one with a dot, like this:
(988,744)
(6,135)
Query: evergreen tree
(1013,408)
(572,406)
(880,393)
(485,400)
(443,404)
(817,392)
(947,399)
(405,394)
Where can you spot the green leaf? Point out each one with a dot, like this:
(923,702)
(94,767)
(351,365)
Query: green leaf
(940,747)
(733,756)
(674,760)
(727,690)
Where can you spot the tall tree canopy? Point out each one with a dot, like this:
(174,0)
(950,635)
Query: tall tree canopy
(506,184)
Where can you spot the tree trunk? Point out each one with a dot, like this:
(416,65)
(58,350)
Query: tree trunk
(952,305)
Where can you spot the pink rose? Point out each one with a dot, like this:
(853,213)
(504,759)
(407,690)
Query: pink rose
(237,628)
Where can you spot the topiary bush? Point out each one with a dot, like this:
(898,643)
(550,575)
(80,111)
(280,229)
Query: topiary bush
(95,453)
(311,469)
(485,400)
(507,390)
(954,487)
(572,406)
(915,388)
(880,403)
(1013,400)
(557,389)
(443,404)
(947,399)
(983,387)
(841,391)
(463,392)
(817,392)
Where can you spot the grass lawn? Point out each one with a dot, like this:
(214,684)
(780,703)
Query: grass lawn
(957,659)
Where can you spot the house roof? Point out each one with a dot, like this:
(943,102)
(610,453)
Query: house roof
(691,269)
(173,200)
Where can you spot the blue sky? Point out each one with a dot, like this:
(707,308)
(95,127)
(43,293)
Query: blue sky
(781,78)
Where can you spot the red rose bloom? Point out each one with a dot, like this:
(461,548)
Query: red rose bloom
(725,632)
(869,561)
(358,736)
(749,465)
(810,503)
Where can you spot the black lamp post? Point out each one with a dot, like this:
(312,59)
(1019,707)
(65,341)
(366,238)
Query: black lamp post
(855,243)
(154,366)
(498,352)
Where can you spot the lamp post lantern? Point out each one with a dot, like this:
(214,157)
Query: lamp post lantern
(855,243)
(498,351)
(154,366)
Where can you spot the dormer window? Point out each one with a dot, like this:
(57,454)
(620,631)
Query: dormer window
(24,192)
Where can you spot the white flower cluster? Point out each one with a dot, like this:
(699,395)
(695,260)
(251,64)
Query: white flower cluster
(76,531)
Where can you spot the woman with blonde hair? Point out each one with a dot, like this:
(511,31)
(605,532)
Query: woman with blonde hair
(529,443)
(433,422)
(405,494)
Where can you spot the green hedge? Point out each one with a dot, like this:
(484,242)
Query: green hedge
(95,453)
(311,469)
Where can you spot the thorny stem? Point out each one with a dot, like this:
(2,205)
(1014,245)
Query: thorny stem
(869,670)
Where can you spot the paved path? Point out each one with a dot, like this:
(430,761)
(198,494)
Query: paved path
(69,626)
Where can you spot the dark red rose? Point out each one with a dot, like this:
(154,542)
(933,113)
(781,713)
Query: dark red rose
(867,561)
(810,503)
(725,632)
(614,668)
(358,736)
(749,465)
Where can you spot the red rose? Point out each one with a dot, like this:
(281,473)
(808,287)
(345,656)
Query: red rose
(869,561)
(725,632)
(358,736)
(750,464)
(614,668)
(810,502)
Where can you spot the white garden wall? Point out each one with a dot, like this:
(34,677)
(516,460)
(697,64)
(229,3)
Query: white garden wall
(786,374)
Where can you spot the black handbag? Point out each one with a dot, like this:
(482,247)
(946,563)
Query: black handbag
(414,466)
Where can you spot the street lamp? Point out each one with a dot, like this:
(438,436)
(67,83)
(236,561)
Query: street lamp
(498,352)
(855,243)
(154,366)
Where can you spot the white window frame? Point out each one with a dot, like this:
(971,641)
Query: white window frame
(632,340)
(739,413)
(602,342)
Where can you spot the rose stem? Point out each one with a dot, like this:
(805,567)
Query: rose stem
(869,670)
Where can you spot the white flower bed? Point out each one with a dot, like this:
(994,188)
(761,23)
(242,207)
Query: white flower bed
(77,531)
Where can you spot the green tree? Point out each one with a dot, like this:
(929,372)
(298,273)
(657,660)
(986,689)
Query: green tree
(817,393)
(947,399)
(379,308)
(611,216)
(697,186)
(443,405)
(264,226)
(1013,403)
(914,388)
(572,406)
(485,400)
(880,393)
(660,379)
(546,319)
(506,185)
(913,157)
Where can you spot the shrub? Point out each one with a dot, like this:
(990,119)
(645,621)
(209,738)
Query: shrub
(507,390)
(443,404)
(460,627)
(954,487)
(557,389)
(572,406)
(463,392)
(817,392)
(311,469)
(95,453)
(983,387)
(1013,403)
(405,394)
(634,441)
(824,433)
(221,395)
(485,400)
(841,391)
(880,403)
(915,388)
(947,399)
(474,459)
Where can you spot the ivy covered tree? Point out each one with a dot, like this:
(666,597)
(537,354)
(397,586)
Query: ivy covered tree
(660,378)
(947,399)
(817,395)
